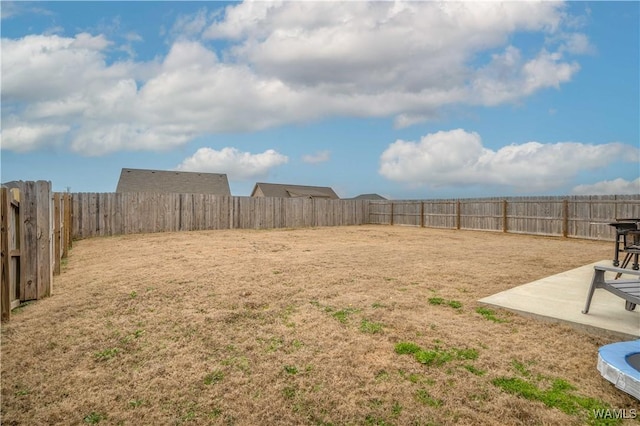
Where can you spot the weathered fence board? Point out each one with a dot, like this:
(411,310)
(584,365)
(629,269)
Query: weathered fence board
(440,214)
(7,290)
(29,283)
(44,240)
(534,217)
(481,215)
(57,232)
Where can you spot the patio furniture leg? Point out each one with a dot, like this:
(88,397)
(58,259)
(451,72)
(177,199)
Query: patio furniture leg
(598,279)
(625,263)
(616,262)
(629,306)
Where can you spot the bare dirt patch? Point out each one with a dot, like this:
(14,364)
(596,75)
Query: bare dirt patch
(300,327)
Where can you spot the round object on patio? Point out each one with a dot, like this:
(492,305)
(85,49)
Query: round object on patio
(619,363)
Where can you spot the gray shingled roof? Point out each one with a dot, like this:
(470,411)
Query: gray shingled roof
(293,191)
(369,197)
(164,181)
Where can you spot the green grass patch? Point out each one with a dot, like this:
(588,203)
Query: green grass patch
(371,327)
(291,369)
(372,420)
(436,301)
(560,395)
(240,362)
(135,403)
(466,353)
(430,357)
(414,378)
(396,409)
(423,397)
(404,348)
(289,392)
(215,413)
(454,304)
(94,418)
(213,377)
(490,315)
(274,343)
(473,370)
(520,368)
(343,314)
(382,375)
(436,356)
(106,354)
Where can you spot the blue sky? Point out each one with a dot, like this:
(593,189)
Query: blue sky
(406,99)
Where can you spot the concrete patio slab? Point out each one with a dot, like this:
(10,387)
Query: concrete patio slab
(562,297)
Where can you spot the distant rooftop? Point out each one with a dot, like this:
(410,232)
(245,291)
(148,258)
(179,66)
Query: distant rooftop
(279,190)
(165,181)
(369,197)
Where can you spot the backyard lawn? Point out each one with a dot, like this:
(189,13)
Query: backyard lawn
(363,325)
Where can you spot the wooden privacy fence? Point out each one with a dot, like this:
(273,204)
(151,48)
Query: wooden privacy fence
(38,226)
(35,237)
(577,217)
(104,214)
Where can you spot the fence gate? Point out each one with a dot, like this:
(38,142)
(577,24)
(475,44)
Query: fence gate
(11,250)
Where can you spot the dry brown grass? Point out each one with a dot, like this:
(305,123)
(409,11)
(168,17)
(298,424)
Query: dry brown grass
(239,327)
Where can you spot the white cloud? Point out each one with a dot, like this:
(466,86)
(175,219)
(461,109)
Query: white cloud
(508,78)
(22,137)
(37,68)
(188,26)
(609,187)
(236,164)
(458,157)
(10,9)
(318,157)
(285,62)
(133,36)
(577,44)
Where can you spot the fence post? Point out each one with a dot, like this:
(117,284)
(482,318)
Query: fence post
(5,276)
(391,214)
(565,218)
(66,227)
(422,214)
(504,216)
(44,240)
(57,233)
(29,277)
(457,214)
